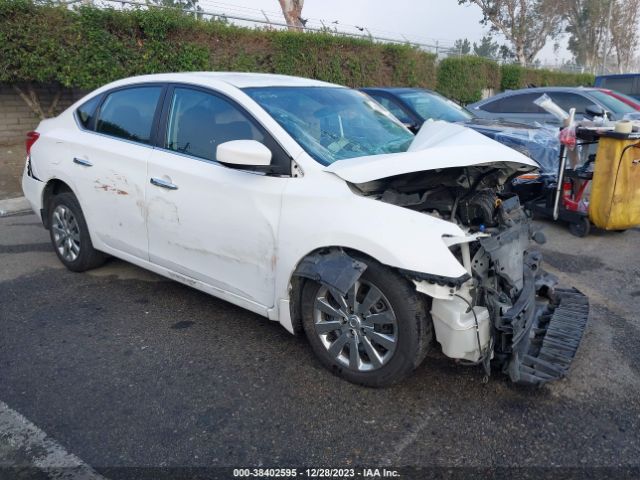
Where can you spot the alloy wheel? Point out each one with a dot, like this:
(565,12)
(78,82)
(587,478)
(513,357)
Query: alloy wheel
(66,233)
(358,329)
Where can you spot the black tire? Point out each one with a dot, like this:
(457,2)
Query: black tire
(580,228)
(87,257)
(414,328)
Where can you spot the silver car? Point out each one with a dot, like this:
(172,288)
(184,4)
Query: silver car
(519,106)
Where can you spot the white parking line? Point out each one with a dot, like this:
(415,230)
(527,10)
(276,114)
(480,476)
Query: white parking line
(35,449)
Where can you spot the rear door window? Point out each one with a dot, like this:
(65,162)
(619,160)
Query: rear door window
(522,103)
(129,113)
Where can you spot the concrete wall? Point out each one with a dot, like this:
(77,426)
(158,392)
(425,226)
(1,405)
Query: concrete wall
(16,118)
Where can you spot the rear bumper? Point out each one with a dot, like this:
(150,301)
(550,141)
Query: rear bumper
(32,189)
(539,336)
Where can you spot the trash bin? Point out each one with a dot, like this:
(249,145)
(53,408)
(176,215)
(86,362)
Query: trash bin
(615,191)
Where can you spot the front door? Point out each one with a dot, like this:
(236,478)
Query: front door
(207,221)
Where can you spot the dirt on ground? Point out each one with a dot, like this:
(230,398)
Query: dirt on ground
(11,165)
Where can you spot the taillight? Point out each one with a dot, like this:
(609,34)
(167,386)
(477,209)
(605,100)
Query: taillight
(31,139)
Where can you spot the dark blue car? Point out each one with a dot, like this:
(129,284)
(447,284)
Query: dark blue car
(627,83)
(414,106)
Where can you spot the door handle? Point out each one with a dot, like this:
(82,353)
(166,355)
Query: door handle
(84,163)
(158,182)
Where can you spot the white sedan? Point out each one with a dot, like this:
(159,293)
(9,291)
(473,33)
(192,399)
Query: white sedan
(309,204)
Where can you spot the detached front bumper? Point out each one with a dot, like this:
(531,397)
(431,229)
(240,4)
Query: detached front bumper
(538,337)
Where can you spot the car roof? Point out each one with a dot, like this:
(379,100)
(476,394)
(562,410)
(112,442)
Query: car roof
(549,89)
(236,79)
(508,93)
(618,75)
(395,89)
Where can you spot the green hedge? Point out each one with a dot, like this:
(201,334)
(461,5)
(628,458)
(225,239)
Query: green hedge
(89,47)
(515,76)
(464,78)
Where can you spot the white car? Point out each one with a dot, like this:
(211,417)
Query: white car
(311,205)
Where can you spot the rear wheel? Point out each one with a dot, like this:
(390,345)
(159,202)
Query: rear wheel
(581,228)
(70,236)
(374,335)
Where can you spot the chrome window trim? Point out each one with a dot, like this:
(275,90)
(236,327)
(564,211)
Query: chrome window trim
(168,100)
(85,130)
(218,164)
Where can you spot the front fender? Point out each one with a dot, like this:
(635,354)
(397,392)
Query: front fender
(392,235)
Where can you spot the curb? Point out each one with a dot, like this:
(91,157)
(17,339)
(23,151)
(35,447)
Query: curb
(13,206)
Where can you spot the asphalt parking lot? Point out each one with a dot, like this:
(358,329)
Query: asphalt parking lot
(122,368)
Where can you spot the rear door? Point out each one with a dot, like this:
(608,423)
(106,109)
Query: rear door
(110,159)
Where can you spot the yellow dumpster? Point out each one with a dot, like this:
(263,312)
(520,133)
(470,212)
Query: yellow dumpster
(615,191)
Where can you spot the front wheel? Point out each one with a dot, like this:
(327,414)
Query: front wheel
(70,236)
(375,335)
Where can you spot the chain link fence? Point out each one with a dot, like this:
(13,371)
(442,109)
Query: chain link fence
(274,19)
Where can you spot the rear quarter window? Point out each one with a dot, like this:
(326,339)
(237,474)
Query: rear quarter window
(87,111)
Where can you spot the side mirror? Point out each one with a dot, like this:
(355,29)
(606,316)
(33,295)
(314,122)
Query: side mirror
(244,152)
(595,111)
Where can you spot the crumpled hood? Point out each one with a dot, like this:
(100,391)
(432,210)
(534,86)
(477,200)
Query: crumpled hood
(437,145)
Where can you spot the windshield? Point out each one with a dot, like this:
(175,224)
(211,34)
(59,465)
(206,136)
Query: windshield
(612,103)
(430,105)
(333,123)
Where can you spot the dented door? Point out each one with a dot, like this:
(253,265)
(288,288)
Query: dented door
(214,224)
(112,164)
(111,183)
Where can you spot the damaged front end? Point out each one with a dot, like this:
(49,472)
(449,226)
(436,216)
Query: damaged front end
(506,311)
(535,326)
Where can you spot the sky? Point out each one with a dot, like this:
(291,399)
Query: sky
(424,21)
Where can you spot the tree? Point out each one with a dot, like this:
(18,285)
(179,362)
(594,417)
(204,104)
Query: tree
(506,54)
(587,29)
(624,31)
(487,48)
(462,46)
(181,4)
(587,25)
(526,24)
(190,5)
(292,11)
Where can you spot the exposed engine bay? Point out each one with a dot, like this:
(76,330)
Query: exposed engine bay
(468,196)
(507,311)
